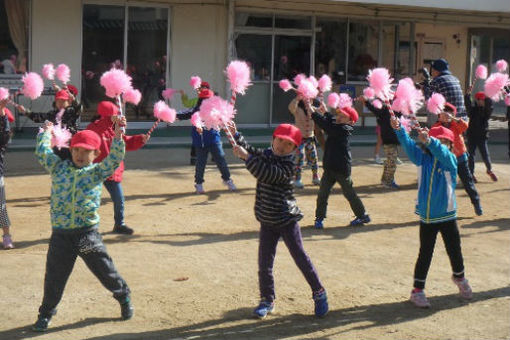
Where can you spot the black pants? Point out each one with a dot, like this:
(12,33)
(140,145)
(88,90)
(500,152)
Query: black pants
(467,180)
(63,249)
(481,144)
(451,239)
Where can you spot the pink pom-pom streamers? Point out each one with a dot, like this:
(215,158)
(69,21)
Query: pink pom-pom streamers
(164,113)
(60,137)
(285,85)
(368,92)
(481,72)
(238,74)
(307,89)
(314,81)
(435,104)
(132,96)
(405,123)
(115,82)
(333,100)
(48,71)
(380,81)
(63,73)
(168,93)
(408,99)
(299,78)
(4,93)
(325,83)
(345,101)
(494,85)
(216,112)
(196,121)
(195,82)
(33,85)
(377,104)
(501,65)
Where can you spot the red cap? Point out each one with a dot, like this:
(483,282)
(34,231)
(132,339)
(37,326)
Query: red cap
(441,132)
(205,94)
(450,108)
(351,113)
(9,115)
(288,132)
(107,109)
(205,84)
(62,94)
(86,139)
(479,96)
(72,89)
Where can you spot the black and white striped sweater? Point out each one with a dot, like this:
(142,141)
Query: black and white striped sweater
(275,204)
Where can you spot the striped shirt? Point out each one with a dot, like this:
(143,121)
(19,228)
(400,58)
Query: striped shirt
(275,203)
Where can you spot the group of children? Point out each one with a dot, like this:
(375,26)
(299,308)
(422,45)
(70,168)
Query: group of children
(96,155)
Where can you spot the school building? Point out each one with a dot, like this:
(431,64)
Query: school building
(161,43)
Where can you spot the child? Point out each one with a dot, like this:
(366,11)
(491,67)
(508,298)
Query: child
(5,134)
(278,213)
(205,141)
(458,126)
(478,131)
(337,163)
(436,205)
(75,199)
(307,148)
(108,112)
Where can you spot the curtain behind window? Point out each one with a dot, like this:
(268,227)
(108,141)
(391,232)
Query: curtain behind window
(17,18)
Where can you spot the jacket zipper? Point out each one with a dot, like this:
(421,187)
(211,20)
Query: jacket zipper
(430,190)
(73,193)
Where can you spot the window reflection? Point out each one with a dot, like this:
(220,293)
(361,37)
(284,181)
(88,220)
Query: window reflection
(14,15)
(330,49)
(363,46)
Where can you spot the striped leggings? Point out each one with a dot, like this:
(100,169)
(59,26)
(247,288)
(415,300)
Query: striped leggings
(307,149)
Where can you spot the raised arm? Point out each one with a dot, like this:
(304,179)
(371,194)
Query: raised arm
(43,152)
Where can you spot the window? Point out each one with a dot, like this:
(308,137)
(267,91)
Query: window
(14,23)
(330,49)
(363,49)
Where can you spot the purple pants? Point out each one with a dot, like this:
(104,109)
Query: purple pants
(268,240)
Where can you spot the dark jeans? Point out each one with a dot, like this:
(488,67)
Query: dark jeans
(467,180)
(117,195)
(268,240)
(63,249)
(481,144)
(219,157)
(329,178)
(451,239)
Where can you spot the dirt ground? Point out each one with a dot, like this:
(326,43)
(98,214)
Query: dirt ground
(212,240)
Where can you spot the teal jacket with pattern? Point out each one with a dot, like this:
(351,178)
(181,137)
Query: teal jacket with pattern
(76,192)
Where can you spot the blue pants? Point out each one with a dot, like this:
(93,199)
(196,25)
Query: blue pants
(481,144)
(117,195)
(219,157)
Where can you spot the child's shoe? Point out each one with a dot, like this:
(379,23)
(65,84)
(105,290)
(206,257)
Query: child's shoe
(391,185)
(419,299)
(298,184)
(42,323)
(320,299)
(478,210)
(199,189)
(126,309)
(358,221)
(464,287)
(230,184)
(316,180)
(122,229)
(263,309)
(378,159)
(318,223)
(492,175)
(7,242)
(398,161)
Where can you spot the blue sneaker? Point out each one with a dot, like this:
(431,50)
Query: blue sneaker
(321,303)
(394,185)
(318,223)
(358,221)
(42,323)
(126,309)
(298,184)
(263,309)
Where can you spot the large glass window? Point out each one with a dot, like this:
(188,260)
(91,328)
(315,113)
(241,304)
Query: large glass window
(330,48)
(363,49)
(14,24)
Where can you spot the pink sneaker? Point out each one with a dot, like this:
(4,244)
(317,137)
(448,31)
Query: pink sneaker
(492,175)
(7,242)
(464,287)
(419,299)
(199,189)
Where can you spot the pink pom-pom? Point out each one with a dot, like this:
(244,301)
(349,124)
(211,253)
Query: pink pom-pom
(314,81)
(195,82)
(377,104)
(60,137)
(405,123)
(299,78)
(380,81)
(325,83)
(63,73)
(196,121)
(164,113)
(333,100)
(435,104)
(368,92)
(216,112)
(132,96)
(285,85)
(307,89)
(48,71)
(4,93)
(501,65)
(168,93)
(33,85)
(115,82)
(408,99)
(238,74)
(345,101)
(481,72)
(507,99)
(494,85)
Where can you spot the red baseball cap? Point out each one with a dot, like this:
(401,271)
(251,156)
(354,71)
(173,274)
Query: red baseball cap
(72,89)
(288,132)
(8,113)
(450,108)
(86,139)
(480,96)
(441,132)
(351,113)
(107,109)
(62,94)
(205,84)
(206,93)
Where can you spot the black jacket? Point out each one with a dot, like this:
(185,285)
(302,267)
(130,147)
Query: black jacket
(478,118)
(5,134)
(337,152)
(383,117)
(69,118)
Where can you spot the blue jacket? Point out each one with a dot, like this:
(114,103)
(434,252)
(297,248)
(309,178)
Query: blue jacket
(437,179)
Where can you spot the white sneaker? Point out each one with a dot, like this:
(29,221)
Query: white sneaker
(398,161)
(316,181)
(464,288)
(378,160)
(230,184)
(199,189)
(419,299)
